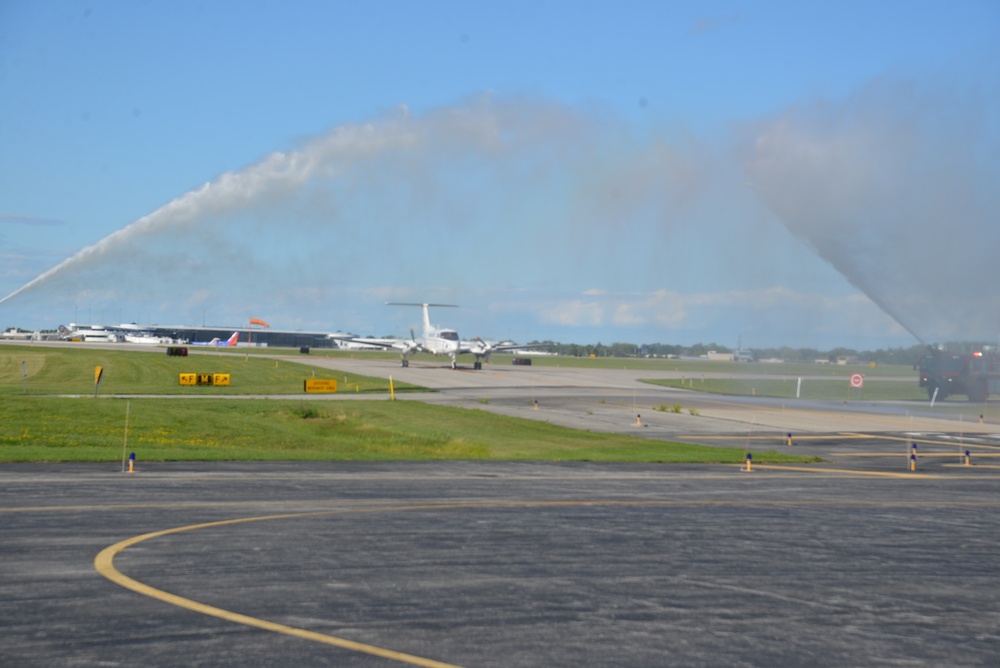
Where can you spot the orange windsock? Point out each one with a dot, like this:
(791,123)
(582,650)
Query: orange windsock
(258,321)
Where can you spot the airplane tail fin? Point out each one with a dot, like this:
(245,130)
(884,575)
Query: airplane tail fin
(233,339)
(427,316)
(427,320)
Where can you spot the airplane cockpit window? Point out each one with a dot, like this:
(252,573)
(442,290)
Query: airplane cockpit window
(450,336)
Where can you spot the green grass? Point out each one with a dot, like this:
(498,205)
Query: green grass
(59,420)
(70,370)
(86,429)
(839,389)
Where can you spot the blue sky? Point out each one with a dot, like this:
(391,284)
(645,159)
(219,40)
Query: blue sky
(774,173)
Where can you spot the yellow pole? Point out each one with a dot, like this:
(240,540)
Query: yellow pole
(392,390)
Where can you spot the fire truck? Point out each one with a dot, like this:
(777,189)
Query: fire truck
(977,375)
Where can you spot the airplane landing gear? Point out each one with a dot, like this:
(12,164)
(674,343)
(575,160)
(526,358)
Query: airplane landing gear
(406,363)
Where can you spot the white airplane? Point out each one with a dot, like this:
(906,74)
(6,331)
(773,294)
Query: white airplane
(231,341)
(436,341)
(88,333)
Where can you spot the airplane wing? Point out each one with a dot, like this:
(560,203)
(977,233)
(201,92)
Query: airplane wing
(375,343)
(480,347)
(402,345)
(482,350)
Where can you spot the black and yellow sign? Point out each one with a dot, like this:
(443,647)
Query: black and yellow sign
(319,385)
(204,378)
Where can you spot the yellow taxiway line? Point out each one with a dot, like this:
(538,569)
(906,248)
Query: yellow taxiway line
(878,474)
(104,563)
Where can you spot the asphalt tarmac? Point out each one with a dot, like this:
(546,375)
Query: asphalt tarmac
(855,561)
(490,564)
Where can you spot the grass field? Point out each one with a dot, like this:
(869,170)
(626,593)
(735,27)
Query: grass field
(58,418)
(85,429)
(37,370)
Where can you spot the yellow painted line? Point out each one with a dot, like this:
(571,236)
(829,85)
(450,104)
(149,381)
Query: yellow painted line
(104,563)
(189,506)
(972,466)
(335,477)
(929,440)
(919,454)
(878,474)
(768,437)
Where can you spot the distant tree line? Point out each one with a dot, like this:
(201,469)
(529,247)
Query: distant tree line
(908,355)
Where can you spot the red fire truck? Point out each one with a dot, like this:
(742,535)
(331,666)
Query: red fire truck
(977,375)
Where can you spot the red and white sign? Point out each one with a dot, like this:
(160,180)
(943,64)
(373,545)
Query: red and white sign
(857,381)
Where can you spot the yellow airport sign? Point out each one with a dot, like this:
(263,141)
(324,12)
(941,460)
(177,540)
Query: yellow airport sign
(204,378)
(319,385)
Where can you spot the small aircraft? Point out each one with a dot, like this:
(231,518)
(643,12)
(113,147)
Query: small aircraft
(436,341)
(88,333)
(231,341)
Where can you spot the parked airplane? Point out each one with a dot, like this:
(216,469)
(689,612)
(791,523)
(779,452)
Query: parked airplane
(231,341)
(88,333)
(436,341)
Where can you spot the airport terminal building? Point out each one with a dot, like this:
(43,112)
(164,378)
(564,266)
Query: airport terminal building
(180,335)
(254,337)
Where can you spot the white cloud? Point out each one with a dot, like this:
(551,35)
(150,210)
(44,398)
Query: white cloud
(764,317)
(574,313)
